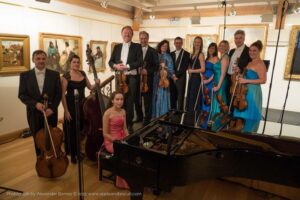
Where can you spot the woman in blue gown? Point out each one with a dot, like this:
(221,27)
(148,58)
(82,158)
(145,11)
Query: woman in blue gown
(255,75)
(208,75)
(197,67)
(161,95)
(220,86)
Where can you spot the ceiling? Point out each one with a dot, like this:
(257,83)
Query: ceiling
(181,8)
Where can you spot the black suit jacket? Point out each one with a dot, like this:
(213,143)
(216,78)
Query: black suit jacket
(151,59)
(134,59)
(244,58)
(29,93)
(184,63)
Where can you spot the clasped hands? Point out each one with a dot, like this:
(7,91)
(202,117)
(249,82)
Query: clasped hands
(121,67)
(41,107)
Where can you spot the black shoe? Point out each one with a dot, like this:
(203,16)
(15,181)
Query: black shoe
(138,120)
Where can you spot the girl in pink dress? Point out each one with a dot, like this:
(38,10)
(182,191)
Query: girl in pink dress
(114,127)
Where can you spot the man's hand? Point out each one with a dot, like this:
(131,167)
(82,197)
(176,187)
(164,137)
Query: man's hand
(40,106)
(144,72)
(49,112)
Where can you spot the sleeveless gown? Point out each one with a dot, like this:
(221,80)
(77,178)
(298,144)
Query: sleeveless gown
(215,112)
(252,114)
(116,128)
(70,127)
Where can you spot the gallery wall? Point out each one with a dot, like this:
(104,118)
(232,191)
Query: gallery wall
(28,17)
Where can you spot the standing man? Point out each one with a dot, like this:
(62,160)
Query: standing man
(33,85)
(150,66)
(181,60)
(239,57)
(128,57)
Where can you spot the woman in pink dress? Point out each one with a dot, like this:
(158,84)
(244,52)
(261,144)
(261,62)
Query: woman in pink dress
(114,127)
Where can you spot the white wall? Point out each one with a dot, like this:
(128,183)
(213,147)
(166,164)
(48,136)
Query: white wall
(159,29)
(29,17)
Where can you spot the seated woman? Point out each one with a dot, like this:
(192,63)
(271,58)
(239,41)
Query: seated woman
(256,74)
(114,127)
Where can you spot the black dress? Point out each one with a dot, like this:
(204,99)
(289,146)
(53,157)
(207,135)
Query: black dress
(70,127)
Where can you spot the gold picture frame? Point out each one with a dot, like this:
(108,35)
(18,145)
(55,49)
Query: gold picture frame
(59,49)
(112,46)
(207,39)
(14,54)
(253,33)
(99,53)
(293,57)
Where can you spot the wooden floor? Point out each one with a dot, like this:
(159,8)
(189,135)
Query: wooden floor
(17,171)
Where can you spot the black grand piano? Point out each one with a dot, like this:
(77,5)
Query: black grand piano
(170,151)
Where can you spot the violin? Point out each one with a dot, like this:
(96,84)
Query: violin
(202,117)
(236,125)
(163,74)
(223,106)
(240,101)
(144,80)
(238,92)
(123,87)
(53,162)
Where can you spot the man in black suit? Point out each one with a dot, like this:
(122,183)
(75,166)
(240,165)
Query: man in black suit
(33,85)
(128,57)
(181,58)
(150,66)
(239,57)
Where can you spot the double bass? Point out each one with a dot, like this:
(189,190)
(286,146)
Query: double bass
(93,109)
(53,162)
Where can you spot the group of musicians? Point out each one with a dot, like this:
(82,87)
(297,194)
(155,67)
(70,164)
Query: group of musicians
(220,84)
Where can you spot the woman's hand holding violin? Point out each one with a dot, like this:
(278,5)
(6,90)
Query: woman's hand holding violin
(216,88)
(242,80)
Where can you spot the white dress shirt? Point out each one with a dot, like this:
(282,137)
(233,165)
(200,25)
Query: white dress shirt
(124,52)
(177,52)
(40,77)
(144,51)
(233,60)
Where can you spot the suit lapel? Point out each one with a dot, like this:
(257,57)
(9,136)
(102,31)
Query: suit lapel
(129,52)
(34,82)
(147,54)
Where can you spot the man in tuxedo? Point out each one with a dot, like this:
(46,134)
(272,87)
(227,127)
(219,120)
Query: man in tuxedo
(239,56)
(181,58)
(34,84)
(150,66)
(128,57)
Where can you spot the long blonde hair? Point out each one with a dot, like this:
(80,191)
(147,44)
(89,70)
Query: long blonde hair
(201,48)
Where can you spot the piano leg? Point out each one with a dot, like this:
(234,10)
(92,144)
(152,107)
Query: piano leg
(136,190)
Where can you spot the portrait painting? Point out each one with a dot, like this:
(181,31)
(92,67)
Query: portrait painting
(99,53)
(207,39)
(253,32)
(14,53)
(292,67)
(60,49)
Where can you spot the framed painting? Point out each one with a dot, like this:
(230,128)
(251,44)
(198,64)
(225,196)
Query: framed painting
(207,39)
(292,67)
(99,54)
(112,46)
(59,49)
(253,33)
(14,53)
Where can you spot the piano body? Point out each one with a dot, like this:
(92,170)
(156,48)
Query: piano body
(171,152)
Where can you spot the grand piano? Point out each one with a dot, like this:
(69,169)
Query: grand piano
(170,151)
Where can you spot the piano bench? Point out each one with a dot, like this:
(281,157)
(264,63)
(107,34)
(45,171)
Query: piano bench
(106,160)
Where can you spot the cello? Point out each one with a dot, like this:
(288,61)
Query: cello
(53,162)
(93,109)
